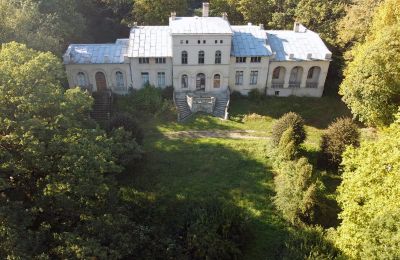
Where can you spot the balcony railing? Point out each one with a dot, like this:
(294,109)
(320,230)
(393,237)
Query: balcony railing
(277,85)
(312,85)
(294,85)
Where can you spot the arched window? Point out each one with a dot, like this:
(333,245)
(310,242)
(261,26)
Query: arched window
(119,79)
(184,58)
(200,81)
(184,81)
(201,57)
(276,73)
(81,79)
(218,57)
(217,81)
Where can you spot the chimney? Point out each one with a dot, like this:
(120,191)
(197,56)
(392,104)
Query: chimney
(261,26)
(135,25)
(296,27)
(173,16)
(225,16)
(206,9)
(291,56)
(249,24)
(106,59)
(309,56)
(328,56)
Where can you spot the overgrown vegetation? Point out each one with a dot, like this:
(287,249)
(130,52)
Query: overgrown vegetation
(340,134)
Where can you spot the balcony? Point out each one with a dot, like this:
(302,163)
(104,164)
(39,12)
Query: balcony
(277,85)
(294,85)
(312,85)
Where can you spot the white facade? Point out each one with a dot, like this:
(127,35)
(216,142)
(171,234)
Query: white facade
(204,54)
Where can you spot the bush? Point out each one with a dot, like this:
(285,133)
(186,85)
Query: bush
(293,120)
(255,95)
(168,93)
(287,148)
(296,191)
(235,95)
(341,133)
(129,124)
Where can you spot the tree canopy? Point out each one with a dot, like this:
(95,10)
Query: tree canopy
(369,197)
(58,197)
(371,87)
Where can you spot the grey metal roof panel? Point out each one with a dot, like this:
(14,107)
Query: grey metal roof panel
(97,53)
(249,40)
(299,44)
(150,41)
(199,25)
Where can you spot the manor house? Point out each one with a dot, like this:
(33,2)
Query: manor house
(204,59)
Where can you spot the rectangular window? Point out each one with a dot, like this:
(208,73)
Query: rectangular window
(255,59)
(253,77)
(239,78)
(161,79)
(201,57)
(160,60)
(144,60)
(145,78)
(240,59)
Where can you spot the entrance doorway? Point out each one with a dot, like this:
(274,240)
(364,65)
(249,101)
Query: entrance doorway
(200,81)
(101,81)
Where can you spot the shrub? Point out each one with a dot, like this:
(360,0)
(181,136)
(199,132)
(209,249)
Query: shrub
(214,230)
(296,191)
(255,95)
(168,93)
(341,133)
(287,148)
(235,95)
(129,124)
(293,120)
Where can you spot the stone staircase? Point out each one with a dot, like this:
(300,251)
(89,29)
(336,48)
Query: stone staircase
(221,107)
(102,107)
(182,107)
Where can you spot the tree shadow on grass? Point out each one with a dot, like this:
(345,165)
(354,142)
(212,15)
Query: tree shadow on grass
(236,172)
(317,112)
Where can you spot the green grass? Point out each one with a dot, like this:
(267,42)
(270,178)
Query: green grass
(237,171)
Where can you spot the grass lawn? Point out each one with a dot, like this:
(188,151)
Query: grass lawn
(237,171)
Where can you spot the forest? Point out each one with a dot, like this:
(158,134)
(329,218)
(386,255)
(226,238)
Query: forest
(318,179)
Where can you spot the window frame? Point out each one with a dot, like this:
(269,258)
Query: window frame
(81,76)
(119,79)
(239,74)
(201,57)
(218,57)
(144,83)
(217,80)
(184,57)
(162,79)
(241,59)
(254,77)
(184,81)
(144,60)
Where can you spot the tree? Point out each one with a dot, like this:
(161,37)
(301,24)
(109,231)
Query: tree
(218,7)
(58,197)
(356,24)
(340,134)
(296,191)
(371,88)
(42,25)
(321,16)
(369,197)
(293,120)
(150,12)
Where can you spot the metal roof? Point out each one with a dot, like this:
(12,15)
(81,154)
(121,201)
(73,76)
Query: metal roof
(199,25)
(299,44)
(97,53)
(150,41)
(249,40)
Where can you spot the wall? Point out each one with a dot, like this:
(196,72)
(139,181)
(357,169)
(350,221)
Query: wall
(209,68)
(247,67)
(90,71)
(302,91)
(152,68)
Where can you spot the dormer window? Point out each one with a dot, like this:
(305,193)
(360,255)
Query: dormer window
(144,60)
(240,59)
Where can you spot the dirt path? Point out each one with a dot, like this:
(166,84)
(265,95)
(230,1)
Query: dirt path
(230,134)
